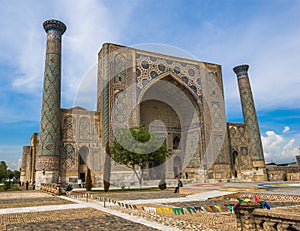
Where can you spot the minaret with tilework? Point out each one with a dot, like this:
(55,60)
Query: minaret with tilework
(49,148)
(250,119)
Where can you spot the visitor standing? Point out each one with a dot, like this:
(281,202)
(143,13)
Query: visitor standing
(186,175)
(179,185)
(27,184)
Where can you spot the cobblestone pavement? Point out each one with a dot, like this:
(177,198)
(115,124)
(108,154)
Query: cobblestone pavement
(81,219)
(196,221)
(138,195)
(188,222)
(91,218)
(23,194)
(28,202)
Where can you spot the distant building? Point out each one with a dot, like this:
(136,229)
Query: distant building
(298,160)
(283,172)
(200,143)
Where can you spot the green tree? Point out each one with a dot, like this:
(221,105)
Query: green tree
(3,170)
(10,174)
(88,180)
(107,168)
(143,147)
(16,174)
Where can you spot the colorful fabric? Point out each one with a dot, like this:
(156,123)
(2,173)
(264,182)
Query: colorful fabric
(226,207)
(210,208)
(158,210)
(256,199)
(219,208)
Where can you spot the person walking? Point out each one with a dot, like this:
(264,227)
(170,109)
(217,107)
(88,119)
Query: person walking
(27,184)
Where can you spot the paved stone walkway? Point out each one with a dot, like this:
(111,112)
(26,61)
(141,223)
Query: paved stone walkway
(126,216)
(80,215)
(154,194)
(208,194)
(72,219)
(23,195)
(93,216)
(41,208)
(33,201)
(195,197)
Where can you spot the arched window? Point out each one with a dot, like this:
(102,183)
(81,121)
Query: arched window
(83,155)
(176,142)
(120,69)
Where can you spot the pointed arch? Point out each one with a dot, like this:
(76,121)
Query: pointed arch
(161,77)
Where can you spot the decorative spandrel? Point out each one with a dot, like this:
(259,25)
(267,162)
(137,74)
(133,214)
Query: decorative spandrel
(150,67)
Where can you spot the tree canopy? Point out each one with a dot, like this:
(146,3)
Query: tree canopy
(6,173)
(136,147)
(3,170)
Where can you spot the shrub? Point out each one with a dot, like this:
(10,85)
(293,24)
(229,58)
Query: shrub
(7,185)
(123,186)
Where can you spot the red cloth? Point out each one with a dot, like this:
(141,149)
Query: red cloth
(256,199)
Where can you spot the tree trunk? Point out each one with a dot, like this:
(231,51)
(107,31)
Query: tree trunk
(140,178)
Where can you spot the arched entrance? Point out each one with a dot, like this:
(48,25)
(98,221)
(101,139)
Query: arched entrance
(82,163)
(170,108)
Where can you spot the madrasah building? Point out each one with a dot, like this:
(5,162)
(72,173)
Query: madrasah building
(182,100)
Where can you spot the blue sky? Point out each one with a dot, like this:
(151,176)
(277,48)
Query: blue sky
(263,34)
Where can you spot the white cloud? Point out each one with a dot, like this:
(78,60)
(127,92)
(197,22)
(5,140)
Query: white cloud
(11,155)
(90,24)
(271,53)
(30,62)
(272,140)
(279,148)
(23,43)
(286,129)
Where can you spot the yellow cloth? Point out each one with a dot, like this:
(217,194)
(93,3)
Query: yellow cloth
(219,208)
(159,210)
